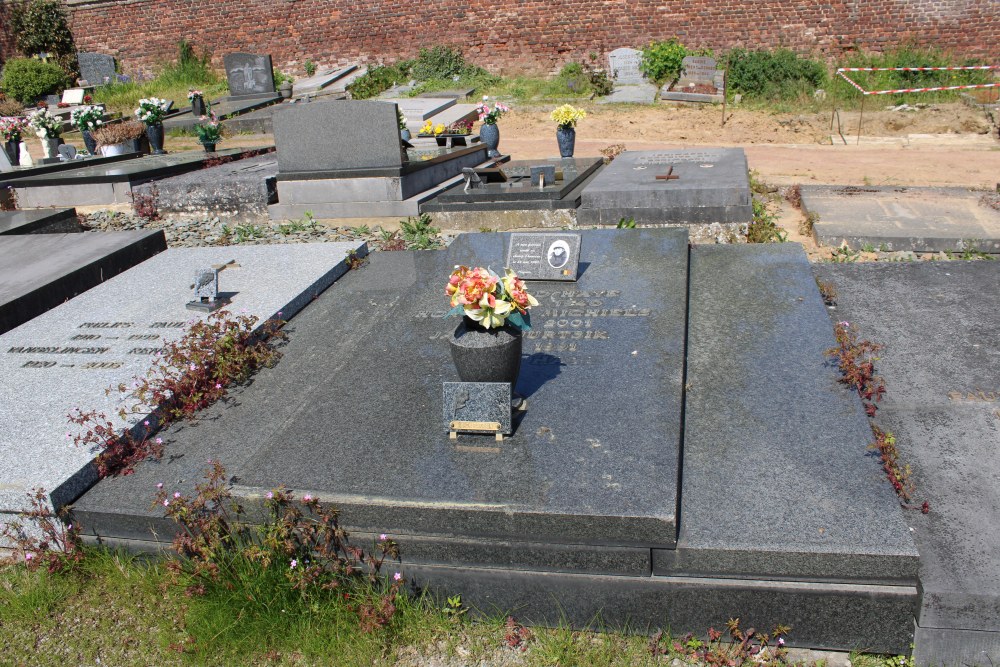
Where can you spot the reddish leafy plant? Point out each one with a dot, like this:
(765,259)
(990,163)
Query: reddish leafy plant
(856,361)
(744,647)
(40,538)
(515,635)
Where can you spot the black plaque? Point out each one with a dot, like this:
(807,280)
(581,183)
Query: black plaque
(544,256)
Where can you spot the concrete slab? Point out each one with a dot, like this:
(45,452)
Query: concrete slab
(40,271)
(67,357)
(637,94)
(941,361)
(322,79)
(40,221)
(224,109)
(420,108)
(242,188)
(902,218)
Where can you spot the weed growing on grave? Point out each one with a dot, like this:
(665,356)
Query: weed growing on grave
(856,362)
(419,234)
(844,255)
(241,233)
(262,577)
(306,224)
(187,375)
(897,474)
(9,202)
(793,195)
(744,647)
(828,291)
(516,636)
(145,204)
(764,229)
(970,251)
(354,261)
(808,224)
(626,223)
(39,538)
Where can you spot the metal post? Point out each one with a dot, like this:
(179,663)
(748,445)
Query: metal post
(861,119)
(725,94)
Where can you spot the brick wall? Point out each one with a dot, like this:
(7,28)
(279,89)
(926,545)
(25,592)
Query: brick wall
(519,35)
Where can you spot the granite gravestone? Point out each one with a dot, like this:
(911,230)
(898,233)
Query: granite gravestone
(477,407)
(249,74)
(624,65)
(5,163)
(700,81)
(544,256)
(97,69)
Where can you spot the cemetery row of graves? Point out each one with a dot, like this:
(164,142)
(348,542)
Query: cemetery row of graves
(583,420)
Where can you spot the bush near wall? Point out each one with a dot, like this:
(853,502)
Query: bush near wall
(27,79)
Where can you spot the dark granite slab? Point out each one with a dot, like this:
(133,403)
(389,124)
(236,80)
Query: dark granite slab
(42,170)
(39,221)
(143,169)
(40,271)
(775,448)
(593,461)
(941,364)
(224,109)
(518,186)
(416,160)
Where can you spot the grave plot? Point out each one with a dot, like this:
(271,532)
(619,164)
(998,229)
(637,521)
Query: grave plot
(895,218)
(39,221)
(345,159)
(323,79)
(575,516)
(941,364)
(700,81)
(67,357)
(630,85)
(681,186)
(102,184)
(40,271)
(10,172)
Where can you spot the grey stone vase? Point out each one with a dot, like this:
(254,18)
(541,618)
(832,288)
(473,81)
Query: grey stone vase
(198,106)
(566,136)
(490,134)
(155,135)
(486,355)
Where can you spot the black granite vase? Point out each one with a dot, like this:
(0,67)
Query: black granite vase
(11,147)
(209,146)
(486,355)
(198,106)
(155,135)
(89,141)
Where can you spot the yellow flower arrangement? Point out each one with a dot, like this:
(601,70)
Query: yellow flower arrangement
(567,115)
(428,128)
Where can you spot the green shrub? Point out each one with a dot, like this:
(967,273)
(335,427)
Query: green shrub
(661,61)
(379,79)
(439,62)
(778,74)
(190,69)
(27,79)
(43,26)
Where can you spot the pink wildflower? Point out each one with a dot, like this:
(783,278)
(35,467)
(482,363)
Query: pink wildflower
(397,577)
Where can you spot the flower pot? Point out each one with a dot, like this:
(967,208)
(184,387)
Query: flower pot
(155,135)
(23,156)
(486,355)
(89,142)
(209,147)
(404,134)
(490,134)
(198,106)
(285,90)
(566,136)
(114,149)
(50,147)
(11,149)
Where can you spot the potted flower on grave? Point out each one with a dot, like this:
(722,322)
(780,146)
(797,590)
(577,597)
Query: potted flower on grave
(197,100)
(489,132)
(87,119)
(11,129)
(404,132)
(48,129)
(566,117)
(209,132)
(151,112)
(486,345)
(119,138)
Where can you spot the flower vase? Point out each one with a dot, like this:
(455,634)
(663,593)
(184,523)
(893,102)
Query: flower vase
(50,147)
(198,106)
(404,134)
(566,136)
(89,142)
(486,355)
(155,135)
(24,156)
(209,146)
(11,149)
(490,134)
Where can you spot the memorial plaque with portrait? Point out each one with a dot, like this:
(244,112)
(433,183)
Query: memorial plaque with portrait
(544,256)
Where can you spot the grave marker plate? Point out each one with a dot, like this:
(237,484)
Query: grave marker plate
(623,65)
(73,96)
(473,406)
(97,69)
(544,256)
(249,74)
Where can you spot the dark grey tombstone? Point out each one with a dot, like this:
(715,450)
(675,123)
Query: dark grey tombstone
(97,69)
(623,65)
(469,405)
(249,74)
(543,174)
(544,256)
(5,163)
(366,136)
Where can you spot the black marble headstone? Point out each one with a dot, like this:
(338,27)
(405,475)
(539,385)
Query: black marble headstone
(249,74)
(97,69)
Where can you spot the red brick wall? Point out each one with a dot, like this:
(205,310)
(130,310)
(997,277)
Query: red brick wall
(520,35)
(6,38)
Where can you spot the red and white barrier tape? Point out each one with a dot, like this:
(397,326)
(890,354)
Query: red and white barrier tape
(841,70)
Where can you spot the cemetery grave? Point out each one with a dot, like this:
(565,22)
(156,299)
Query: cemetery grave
(9,172)
(102,183)
(68,356)
(700,81)
(894,218)
(630,85)
(582,512)
(40,271)
(39,221)
(96,69)
(366,171)
(938,324)
(712,185)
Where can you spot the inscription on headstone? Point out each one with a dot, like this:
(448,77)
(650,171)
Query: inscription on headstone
(249,74)
(544,256)
(671,158)
(699,71)
(623,65)
(474,407)
(97,69)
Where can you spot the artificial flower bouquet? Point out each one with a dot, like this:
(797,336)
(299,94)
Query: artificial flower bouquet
(488,299)
(44,125)
(87,117)
(12,127)
(151,111)
(567,116)
(490,116)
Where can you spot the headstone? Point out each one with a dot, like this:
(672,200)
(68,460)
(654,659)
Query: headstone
(623,65)
(367,134)
(67,151)
(73,96)
(249,74)
(419,109)
(700,81)
(320,80)
(97,69)
(544,256)
(542,175)
(474,407)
